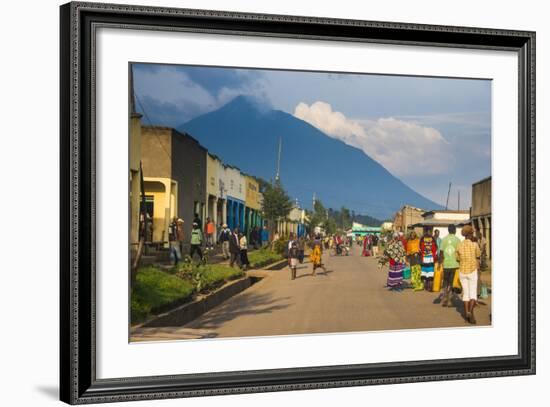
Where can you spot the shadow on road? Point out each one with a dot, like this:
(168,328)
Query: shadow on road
(245,304)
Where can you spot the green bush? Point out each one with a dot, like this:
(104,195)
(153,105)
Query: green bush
(206,276)
(280,246)
(263,257)
(154,290)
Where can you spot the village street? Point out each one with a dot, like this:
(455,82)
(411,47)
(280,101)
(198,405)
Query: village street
(349,297)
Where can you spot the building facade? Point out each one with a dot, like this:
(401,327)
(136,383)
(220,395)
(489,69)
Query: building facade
(253,205)
(236,196)
(406,217)
(135,179)
(215,198)
(295,223)
(440,220)
(480,212)
(174,169)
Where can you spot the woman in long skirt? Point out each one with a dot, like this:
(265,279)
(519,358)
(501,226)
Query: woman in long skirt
(395,253)
(413,256)
(316,253)
(428,256)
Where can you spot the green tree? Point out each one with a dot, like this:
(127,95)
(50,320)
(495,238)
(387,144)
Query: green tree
(345,218)
(318,216)
(276,204)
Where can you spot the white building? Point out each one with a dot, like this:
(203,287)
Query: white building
(440,220)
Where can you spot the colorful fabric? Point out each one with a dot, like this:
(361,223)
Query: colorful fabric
(395,275)
(427,270)
(428,250)
(449,244)
(413,246)
(416,280)
(407,273)
(396,252)
(468,252)
(315,256)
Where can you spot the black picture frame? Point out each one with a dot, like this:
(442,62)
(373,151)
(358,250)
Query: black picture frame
(78,382)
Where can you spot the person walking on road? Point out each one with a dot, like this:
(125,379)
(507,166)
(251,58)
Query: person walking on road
(468,254)
(448,257)
(396,256)
(175,249)
(428,255)
(316,254)
(209,230)
(301,249)
(413,257)
(244,251)
(225,236)
(293,255)
(375,246)
(196,241)
(234,248)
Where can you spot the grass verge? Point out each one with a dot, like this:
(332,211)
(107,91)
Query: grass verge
(157,291)
(263,257)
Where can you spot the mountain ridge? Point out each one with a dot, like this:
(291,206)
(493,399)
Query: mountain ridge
(311,161)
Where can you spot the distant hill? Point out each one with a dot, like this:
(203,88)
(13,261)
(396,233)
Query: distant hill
(246,135)
(367,220)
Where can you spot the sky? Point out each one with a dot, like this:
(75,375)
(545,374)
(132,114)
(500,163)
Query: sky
(426,131)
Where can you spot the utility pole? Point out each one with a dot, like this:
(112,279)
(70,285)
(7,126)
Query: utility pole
(448,193)
(314,202)
(279,160)
(458,199)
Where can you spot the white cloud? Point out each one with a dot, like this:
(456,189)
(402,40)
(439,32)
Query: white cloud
(171,85)
(400,146)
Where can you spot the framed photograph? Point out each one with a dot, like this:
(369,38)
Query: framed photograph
(255,203)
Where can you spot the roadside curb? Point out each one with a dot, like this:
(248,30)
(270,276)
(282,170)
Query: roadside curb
(186,313)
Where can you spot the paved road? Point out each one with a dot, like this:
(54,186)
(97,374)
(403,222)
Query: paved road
(349,297)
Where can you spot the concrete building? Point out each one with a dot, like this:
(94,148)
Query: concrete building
(174,169)
(134,179)
(236,195)
(216,207)
(253,204)
(480,212)
(358,229)
(407,216)
(386,226)
(295,223)
(440,220)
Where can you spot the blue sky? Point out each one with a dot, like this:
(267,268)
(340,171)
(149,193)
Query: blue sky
(426,131)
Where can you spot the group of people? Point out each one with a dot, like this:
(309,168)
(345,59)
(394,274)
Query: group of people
(295,252)
(234,246)
(428,254)
(234,243)
(176,238)
(370,245)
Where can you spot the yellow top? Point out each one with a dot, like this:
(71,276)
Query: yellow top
(413,246)
(467,254)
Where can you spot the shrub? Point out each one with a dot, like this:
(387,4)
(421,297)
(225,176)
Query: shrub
(263,257)
(206,276)
(157,291)
(280,246)
(154,290)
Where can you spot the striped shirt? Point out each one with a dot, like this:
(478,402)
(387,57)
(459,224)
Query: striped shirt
(467,253)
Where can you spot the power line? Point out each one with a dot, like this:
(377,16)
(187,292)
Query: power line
(152,126)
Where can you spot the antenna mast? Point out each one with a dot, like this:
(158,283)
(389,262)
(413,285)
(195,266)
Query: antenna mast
(448,193)
(279,160)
